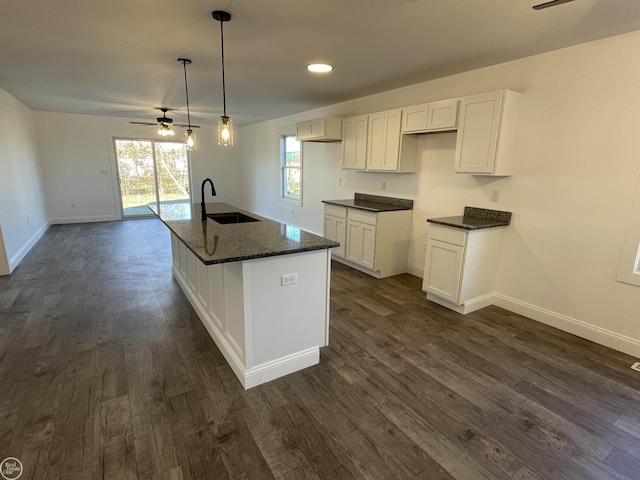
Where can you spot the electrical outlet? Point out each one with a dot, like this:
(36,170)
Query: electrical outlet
(636,366)
(339,182)
(495,194)
(288,279)
(384,185)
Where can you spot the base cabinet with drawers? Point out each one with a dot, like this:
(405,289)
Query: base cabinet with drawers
(376,243)
(460,266)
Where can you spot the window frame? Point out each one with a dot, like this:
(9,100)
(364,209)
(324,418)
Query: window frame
(284,168)
(629,268)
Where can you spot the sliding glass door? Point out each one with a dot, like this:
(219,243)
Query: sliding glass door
(151,172)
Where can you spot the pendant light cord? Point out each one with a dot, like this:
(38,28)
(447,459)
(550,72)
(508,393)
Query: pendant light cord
(186,90)
(224,90)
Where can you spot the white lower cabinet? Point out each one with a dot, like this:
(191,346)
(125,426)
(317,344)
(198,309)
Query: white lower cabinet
(361,238)
(335,227)
(460,266)
(374,243)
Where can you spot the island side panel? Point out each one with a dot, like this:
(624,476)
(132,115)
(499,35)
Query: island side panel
(221,309)
(286,320)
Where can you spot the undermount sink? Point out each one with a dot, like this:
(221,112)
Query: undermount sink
(231,217)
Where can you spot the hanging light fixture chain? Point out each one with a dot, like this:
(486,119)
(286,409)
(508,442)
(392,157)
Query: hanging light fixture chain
(186,89)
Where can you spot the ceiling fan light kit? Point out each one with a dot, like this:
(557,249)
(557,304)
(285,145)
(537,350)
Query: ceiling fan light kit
(225,125)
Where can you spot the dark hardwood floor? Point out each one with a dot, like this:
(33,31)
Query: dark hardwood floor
(106,372)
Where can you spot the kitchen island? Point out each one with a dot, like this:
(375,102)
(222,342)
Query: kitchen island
(260,287)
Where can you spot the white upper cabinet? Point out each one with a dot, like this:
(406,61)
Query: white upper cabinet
(354,142)
(387,149)
(431,117)
(320,130)
(487,128)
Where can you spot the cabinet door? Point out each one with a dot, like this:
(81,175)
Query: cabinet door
(477,137)
(316,128)
(442,115)
(361,243)
(335,229)
(354,142)
(443,270)
(383,146)
(414,119)
(302,131)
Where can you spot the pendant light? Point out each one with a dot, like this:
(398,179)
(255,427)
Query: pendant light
(225,126)
(189,136)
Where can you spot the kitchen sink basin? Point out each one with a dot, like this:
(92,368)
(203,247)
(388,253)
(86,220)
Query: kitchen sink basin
(231,217)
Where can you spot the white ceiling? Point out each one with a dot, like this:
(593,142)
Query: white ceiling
(119,57)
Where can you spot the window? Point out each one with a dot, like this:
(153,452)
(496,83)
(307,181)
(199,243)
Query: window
(291,169)
(149,173)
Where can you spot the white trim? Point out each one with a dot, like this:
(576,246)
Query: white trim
(20,254)
(629,267)
(415,270)
(282,366)
(467,307)
(568,324)
(99,218)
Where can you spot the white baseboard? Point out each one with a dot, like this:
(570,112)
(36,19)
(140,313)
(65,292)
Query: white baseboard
(19,256)
(281,366)
(92,219)
(568,324)
(415,270)
(468,307)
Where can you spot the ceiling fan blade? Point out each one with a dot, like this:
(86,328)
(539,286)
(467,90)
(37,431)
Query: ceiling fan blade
(143,123)
(185,126)
(552,3)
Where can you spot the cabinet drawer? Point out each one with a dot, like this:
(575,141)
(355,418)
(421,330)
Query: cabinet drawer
(340,212)
(453,236)
(363,217)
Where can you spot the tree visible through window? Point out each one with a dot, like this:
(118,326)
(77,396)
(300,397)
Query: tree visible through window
(291,165)
(151,172)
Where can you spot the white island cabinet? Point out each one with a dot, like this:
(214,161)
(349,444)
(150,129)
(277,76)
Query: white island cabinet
(261,289)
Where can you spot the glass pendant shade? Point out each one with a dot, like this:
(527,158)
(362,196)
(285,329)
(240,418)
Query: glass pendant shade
(225,131)
(165,131)
(190,140)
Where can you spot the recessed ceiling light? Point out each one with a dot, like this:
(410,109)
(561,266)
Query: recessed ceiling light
(319,67)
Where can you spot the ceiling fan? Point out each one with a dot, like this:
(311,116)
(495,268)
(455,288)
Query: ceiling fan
(551,3)
(164,122)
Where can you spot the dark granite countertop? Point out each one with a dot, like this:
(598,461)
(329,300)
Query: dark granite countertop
(475,219)
(212,242)
(373,203)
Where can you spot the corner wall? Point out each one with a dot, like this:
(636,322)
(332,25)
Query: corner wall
(23,217)
(571,193)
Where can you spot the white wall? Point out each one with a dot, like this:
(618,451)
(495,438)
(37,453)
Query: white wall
(79,165)
(23,217)
(571,193)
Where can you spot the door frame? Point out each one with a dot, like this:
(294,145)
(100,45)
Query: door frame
(117,192)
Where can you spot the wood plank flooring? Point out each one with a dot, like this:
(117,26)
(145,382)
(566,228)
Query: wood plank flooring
(106,372)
